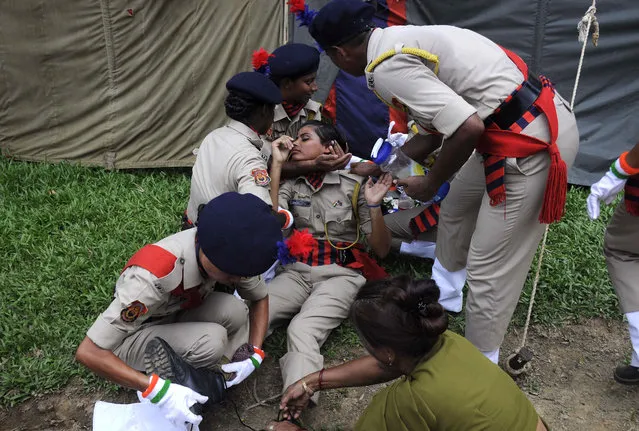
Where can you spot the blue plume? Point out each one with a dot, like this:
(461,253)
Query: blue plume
(283,254)
(306,17)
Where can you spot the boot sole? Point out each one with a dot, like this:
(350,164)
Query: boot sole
(156,360)
(623,381)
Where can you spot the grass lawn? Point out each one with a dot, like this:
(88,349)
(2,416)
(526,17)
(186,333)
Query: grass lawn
(67,231)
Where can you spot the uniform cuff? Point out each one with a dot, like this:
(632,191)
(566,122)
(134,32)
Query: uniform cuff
(449,119)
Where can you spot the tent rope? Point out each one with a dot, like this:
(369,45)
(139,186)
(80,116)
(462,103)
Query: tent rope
(589,20)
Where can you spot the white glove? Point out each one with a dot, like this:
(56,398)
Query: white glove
(397,139)
(174,401)
(242,369)
(606,189)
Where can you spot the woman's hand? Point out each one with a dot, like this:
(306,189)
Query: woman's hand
(281,149)
(335,160)
(366,169)
(294,400)
(375,192)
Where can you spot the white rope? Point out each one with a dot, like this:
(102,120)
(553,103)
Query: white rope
(588,20)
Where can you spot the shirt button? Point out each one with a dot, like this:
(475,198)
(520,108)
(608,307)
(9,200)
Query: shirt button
(317,216)
(182,260)
(339,219)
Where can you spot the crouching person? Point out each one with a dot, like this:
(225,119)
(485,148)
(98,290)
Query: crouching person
(167,329)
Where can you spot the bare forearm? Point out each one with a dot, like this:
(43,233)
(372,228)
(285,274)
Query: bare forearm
(358,372)
(258,320)
(633,157)
(455,152)
(295,169)
(380,237)
(276,175)
(419,147)
(105,364)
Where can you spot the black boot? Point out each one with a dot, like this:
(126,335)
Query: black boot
(161,359)
(627,375)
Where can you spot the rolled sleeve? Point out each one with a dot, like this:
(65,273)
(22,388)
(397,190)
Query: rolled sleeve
(242,175)
(252,289)
(135,300)
(405,79)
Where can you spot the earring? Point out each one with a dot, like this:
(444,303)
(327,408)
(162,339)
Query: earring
(390,361)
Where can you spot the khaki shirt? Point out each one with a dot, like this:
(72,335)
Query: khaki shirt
(229,160)
(284,125)
(141,296)
(329,205)
(474,76)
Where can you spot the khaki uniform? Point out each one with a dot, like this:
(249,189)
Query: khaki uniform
(231,159)
(316,298)
(284,125)
(465,73)
(145,306)
(621,248)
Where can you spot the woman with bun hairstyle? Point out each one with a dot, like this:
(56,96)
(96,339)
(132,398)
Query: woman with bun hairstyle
(445,384)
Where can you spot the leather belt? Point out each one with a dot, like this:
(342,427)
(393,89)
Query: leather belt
(520,102)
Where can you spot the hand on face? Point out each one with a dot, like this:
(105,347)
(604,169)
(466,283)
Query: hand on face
(281,149)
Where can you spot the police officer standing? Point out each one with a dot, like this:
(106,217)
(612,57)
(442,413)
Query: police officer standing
(166,319)
(513,134)
(621,246)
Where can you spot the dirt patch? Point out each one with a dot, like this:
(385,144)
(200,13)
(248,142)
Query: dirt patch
(570,384)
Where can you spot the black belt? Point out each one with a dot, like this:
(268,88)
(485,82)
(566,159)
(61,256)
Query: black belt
(518,105)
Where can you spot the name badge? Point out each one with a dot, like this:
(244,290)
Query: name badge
(299,203)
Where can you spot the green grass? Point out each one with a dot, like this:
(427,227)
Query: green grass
(68,230)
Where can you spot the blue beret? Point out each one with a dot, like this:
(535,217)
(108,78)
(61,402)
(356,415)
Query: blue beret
(341,20)
(257,86)
(293,60)
(238,233)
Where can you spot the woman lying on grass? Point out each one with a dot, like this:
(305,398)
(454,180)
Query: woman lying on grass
(447,383)
(315,293)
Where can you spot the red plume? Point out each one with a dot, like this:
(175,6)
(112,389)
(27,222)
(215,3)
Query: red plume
(260,58)
(300,244)
(296,6)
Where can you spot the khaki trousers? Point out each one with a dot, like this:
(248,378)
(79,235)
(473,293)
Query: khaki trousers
(316,299)
(200,335)
(497,244)
(398,224)
(621,248)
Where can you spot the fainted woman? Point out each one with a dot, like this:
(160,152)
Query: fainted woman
(315,294)
(446,383)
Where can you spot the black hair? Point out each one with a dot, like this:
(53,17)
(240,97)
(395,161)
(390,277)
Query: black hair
(327,133)
(400,313)
(241,106)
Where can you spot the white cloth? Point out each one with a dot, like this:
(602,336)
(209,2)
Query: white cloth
(493,355)
(423,249)
(633,326)
(450,286)
(133,417)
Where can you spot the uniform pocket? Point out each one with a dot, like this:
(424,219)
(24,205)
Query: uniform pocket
(338,221)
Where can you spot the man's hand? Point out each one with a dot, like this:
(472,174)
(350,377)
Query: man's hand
(418,187)
(174,401)
(375,192)
(281,149)
(366,169)
(336,160)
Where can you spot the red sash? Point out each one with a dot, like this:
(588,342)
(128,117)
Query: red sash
(498,143)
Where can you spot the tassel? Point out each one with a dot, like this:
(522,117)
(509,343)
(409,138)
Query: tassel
(283,254)
(554,204)
(259,60)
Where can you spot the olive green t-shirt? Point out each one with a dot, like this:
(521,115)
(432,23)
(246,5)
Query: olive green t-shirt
(454,388)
